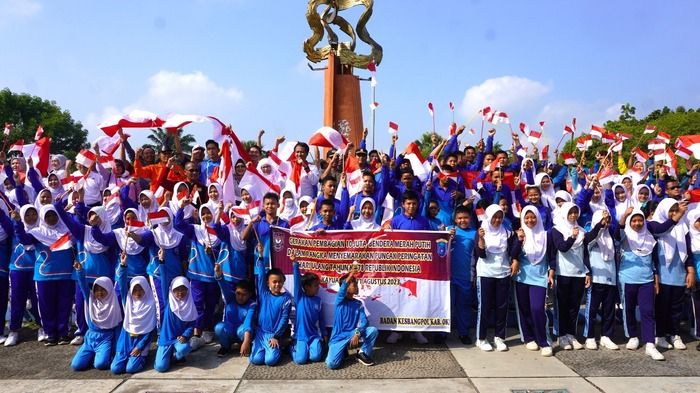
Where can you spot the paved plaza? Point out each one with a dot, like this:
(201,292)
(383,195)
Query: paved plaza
(404,367)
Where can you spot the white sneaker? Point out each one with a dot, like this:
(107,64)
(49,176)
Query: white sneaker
(41,335)
(678,343)
(420,338)
(196,343)
(484,345)
(632,344)
(564,343)
(607,343)
(591,344)
(546,352)
(78,340)
(393,338)
(500,344)
(574,342)
(208,337)
(662,343)
(12,339)
(532,346)
(650,349)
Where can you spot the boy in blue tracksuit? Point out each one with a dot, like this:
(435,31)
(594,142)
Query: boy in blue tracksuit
(462,292)
(272,313)
(309,327)
(350,325)
(237,324)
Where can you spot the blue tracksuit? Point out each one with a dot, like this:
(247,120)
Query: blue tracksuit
(238,318)
(461,279)
(309,327)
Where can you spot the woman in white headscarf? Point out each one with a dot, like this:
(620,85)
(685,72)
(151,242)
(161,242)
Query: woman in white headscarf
(544,182)
(618,200)
(58,165)
(641,195)
(147,204)
(493,270)
(365,222)
(104,317)
(532,280)
(139,326)
(270,171)
(572,270)
(216,195)
(180,192)
(676,270)
(178,323)
(603,290)
(638,283)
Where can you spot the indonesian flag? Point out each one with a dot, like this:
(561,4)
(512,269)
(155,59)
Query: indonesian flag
(480,214)
(683,152)
(372,68)
(109,144)
(421,168)
(135,119)
(158,217)
(135,223)
(664,137)
(606,176)
(297,222)
(522,152)
(452,107)
(328,137)
(259,184)
(656,144)
(17,146)
(250,210)
(569,159)
(62,243)
(393,128)
(388,211)
(542,125)
(373,106)
(353,175)
(40,153)
(616,146)
(283,167)
(453,128)
(485,112)
(430,109)
(650,129)
(608,138)
(472,131)
(660,155)
(570,128)
(622,136)
(85,158)
(671,163)
(39,133)
(532,135)
(692,143)
(584,143)
(69,180)
(544,153)
(640,155)
(225,174)
(8,128)
(597,132)
(498,117)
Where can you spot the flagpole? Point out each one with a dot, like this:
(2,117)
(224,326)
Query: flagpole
(481,135)
(374,110)
(559,143)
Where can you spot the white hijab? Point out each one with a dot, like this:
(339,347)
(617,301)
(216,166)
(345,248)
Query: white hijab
(362,223)
(211,204)
(640,243)
(561,194)
(604,240)
(535,244)
(91,245)
(672,240)
(175,203)
(635,195)
(105,313)
(140,315)
(46,234)
(23,213)
(600,205)
(523,171)
(142,213)
(113,208)
(693,216)
(55,192)
(565,227)
(183,309)
(547,196)
(37,202)
(289,208)
(165,235)
(621,207)
(496,238)
(126,243)
(235,233)
(203,236)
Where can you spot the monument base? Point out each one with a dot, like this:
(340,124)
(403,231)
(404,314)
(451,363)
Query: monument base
(342,100)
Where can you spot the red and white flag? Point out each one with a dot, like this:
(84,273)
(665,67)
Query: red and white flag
(660,155)
(250,210)
(650,129)
(8,128)
(640,155)
(692,143)
(328,137)
(664,137)
(109,144)
(569,159)
(39,133)
(485,112)
(421,168)
(225,174)
(472,131)
(544,153)
(85,158)
(684,152)
(40,153)
(671,163)
(62,243)
(597,132)
(259,184)
(158,217)
(616,146)
(393,128)
(570,128)
(353,175)
(372,68)
(430,109)
(656,144)
(135,119)
(17,146)
(608,138)
(452,107)
(583,143)
(480,214)
(498,117)
(622,136)
(135,223)
(373,106)
(532,135)
(522,152)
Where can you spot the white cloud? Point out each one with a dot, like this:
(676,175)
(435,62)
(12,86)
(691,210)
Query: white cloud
(10,9)
(505,93)
(557,114)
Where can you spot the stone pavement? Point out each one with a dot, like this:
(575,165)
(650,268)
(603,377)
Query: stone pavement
(405,367)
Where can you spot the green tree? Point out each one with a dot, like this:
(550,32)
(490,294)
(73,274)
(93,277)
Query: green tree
(27,112)
(161,137)
(627,112)
(425,143)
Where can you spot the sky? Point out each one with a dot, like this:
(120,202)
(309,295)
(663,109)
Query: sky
(242,61)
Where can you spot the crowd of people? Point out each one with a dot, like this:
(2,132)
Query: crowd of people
(148,250)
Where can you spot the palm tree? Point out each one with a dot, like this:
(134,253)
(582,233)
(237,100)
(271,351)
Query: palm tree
(161,137)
